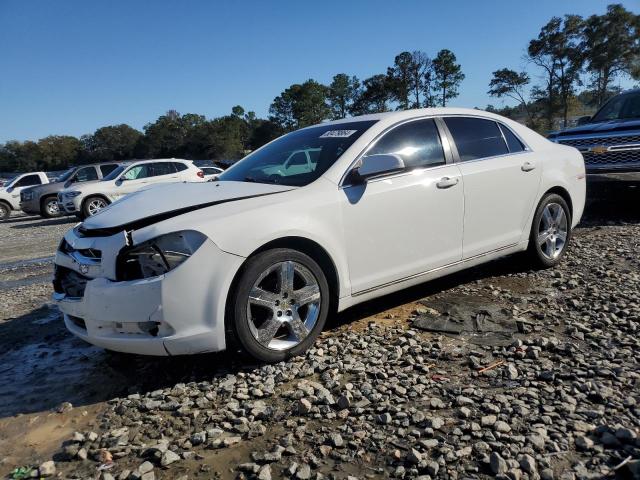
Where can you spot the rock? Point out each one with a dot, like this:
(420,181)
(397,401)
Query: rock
(304,406)
(64,407)
(265,472)
(48,468)
(384,419)
(583,443)
(502,427)
(168,458)
(414,457)
(336,440)
(528,464)
(512,372)
(303,472)
(145,467)
(488,420)
(498,464)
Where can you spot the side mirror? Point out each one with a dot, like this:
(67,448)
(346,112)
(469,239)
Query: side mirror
(375,165)
(10,189)
(583,120)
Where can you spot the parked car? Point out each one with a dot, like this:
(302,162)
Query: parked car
(43,199)
(10,192)
(88,199)
(261,258)
(610,140)
(210,173)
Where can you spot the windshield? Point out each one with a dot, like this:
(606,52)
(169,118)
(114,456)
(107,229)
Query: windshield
(65,176)
(298,158)
(115,173)
(618,108)
(10,181)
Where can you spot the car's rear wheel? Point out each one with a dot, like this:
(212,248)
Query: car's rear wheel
(5,211)
(50,208)
(93,205)
(280,305)
(550,231)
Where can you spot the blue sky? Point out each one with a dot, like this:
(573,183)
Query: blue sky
(71,66)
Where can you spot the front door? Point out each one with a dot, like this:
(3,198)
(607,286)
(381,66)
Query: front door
(404,223)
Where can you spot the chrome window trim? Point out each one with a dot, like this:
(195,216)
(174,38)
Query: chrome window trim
(444,141)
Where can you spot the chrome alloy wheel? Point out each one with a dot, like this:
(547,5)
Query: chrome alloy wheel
(51,206)
(283,305)
(95,205)
(553,231)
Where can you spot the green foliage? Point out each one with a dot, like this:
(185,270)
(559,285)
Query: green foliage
(343,91)
(509,83)
(117,142)
(447,75)
(374,97)
(300,105)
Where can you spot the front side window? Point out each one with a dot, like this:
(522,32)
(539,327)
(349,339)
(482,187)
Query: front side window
(86,174)
(28,181)
(476,137)
(417,143)
(137,172)
(321,146)
(620,107)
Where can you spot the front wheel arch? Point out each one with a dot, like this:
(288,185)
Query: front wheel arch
(300,244)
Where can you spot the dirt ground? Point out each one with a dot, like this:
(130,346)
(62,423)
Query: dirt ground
(42,365)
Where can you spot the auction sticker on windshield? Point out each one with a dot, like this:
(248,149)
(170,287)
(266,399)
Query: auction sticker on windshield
(338,133)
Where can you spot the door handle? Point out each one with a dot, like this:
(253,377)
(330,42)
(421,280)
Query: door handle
(527,167)
(446,182)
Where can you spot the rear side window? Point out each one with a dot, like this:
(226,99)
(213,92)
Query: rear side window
(417,143)
(476,137)
(28,181)
(86,174)
(180,167)
(107,169)
(513,143)
(162,168)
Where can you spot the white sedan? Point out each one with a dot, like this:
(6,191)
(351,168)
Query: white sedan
(260,258)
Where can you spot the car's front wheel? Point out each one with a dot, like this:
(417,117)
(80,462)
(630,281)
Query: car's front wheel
(50,207)
(5,211)
(550,231)
(93,205)
(280,304)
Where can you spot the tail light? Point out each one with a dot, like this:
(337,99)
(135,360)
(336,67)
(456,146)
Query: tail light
(200,174)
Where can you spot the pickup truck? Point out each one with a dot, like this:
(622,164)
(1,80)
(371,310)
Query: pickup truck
(43,199)
(10,192)
(610,140)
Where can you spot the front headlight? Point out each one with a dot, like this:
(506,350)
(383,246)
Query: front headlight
(72,194)
(26,196)
(158,256)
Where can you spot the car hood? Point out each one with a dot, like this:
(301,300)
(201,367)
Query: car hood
(160,202)
(602,127)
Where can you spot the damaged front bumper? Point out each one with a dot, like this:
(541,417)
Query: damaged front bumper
(180,312)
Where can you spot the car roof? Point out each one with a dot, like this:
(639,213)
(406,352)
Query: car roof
(153,160)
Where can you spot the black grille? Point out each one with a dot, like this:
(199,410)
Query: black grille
(606,141)
(69,282)
(614,158)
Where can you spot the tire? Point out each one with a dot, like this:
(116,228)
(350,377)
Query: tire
(5,211)
(88,205)
(49,208)
(270,324)
(550,231)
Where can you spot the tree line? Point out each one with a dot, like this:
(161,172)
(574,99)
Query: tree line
(577,61)
(569,53)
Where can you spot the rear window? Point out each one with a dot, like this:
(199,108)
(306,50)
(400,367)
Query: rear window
(514,144)
(476,137)
(180,167)
(28,181)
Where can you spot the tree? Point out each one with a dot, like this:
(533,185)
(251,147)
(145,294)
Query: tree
(300,105)
(374,97)
(117,142)
(399,79)
(342,93)
(57,152)
(557,51)
(421,74)
(447,75)
(166,137)
(508,83)
(611,43)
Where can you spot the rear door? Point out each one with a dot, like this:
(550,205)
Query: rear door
(501,179)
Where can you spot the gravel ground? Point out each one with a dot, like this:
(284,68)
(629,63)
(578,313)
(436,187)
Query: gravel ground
(543,381)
